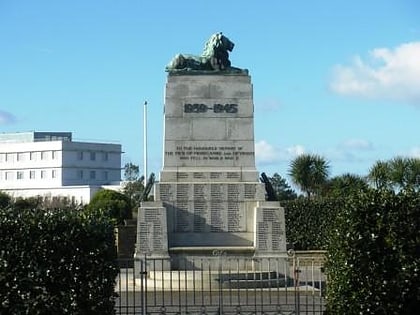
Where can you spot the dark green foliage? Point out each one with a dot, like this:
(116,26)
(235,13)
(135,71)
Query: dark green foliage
(399,173)
(111,203)
(5,200)
(133,186)
(27,203)
(346,184)
(308,221)
(56,262)
(310,173)
(134,191)
(131,172)
(373,256)
(282,188)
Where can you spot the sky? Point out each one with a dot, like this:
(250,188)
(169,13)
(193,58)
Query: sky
(340,79)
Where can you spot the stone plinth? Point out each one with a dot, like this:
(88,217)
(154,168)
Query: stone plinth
(209,194)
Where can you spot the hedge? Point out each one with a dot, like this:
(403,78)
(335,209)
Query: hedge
(56,262)
(373,263)
(308,222)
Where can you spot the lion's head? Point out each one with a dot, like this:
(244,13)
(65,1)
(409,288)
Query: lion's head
(217,51)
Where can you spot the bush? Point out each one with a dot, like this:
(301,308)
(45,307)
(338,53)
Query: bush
(5,200)
(308,222)
(56,262)
(373,256)
(111,203)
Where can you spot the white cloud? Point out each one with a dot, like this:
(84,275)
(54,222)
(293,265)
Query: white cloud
(6,118)
(356,144)
(389,74)
(266,153)
(296,150)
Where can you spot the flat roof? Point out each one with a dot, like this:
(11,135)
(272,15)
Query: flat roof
(35,136)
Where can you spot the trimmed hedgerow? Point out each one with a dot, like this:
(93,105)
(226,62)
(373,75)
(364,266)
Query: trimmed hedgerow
(56,262)
(373,263)
(308,222)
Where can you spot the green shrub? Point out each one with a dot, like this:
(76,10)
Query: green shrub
(5,200)
(373,256)
(308,221)
(111,203)
(56,262)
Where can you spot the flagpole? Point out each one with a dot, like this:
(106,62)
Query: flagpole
(145,140)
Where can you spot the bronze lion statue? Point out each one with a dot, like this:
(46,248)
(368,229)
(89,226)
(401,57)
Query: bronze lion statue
(215,57)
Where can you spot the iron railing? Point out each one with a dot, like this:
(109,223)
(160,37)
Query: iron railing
(221,285)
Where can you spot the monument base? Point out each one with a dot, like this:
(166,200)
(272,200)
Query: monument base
(210,212)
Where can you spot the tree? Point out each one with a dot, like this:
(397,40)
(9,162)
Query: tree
(346,184)
(131,172)
(133,186)
(282,188)
(111,203)
(379,175)
(414,176)
(404,173)
(398,173)
(310,173)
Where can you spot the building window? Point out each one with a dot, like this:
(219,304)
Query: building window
(43,174)
(54,155)
(20,156)
(43,155)
(105,175)
(19,175)
(92,175)
(8,176)
(32,156)
(32,174)
(105,156)
(81,174)
(92,156)
(9,157)
(53,174)
(80,155)
(2,156)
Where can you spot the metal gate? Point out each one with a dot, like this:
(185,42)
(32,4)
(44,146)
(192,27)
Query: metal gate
(221,285)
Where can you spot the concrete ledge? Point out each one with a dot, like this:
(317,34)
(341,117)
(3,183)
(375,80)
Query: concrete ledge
(213,250)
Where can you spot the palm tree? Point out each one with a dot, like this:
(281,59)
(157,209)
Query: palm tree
(398,173)
(347,184)
(414,175)
(379,175)
(405,172)
(309,172)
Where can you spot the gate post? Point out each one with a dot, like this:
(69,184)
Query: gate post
(143,278)
(219,254)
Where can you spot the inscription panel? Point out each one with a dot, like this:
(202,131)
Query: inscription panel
(270,229)
(201,216)
(152,231)
(209,153)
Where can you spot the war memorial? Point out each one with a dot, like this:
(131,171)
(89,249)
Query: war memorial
(208,198)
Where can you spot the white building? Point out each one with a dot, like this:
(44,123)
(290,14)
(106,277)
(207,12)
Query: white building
(50,164)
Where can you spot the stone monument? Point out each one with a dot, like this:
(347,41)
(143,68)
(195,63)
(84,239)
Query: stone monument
(208,196)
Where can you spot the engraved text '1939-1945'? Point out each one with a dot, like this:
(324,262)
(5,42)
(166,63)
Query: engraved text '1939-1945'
(215,108)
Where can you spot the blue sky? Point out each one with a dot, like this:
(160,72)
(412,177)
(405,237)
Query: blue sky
(337,78)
